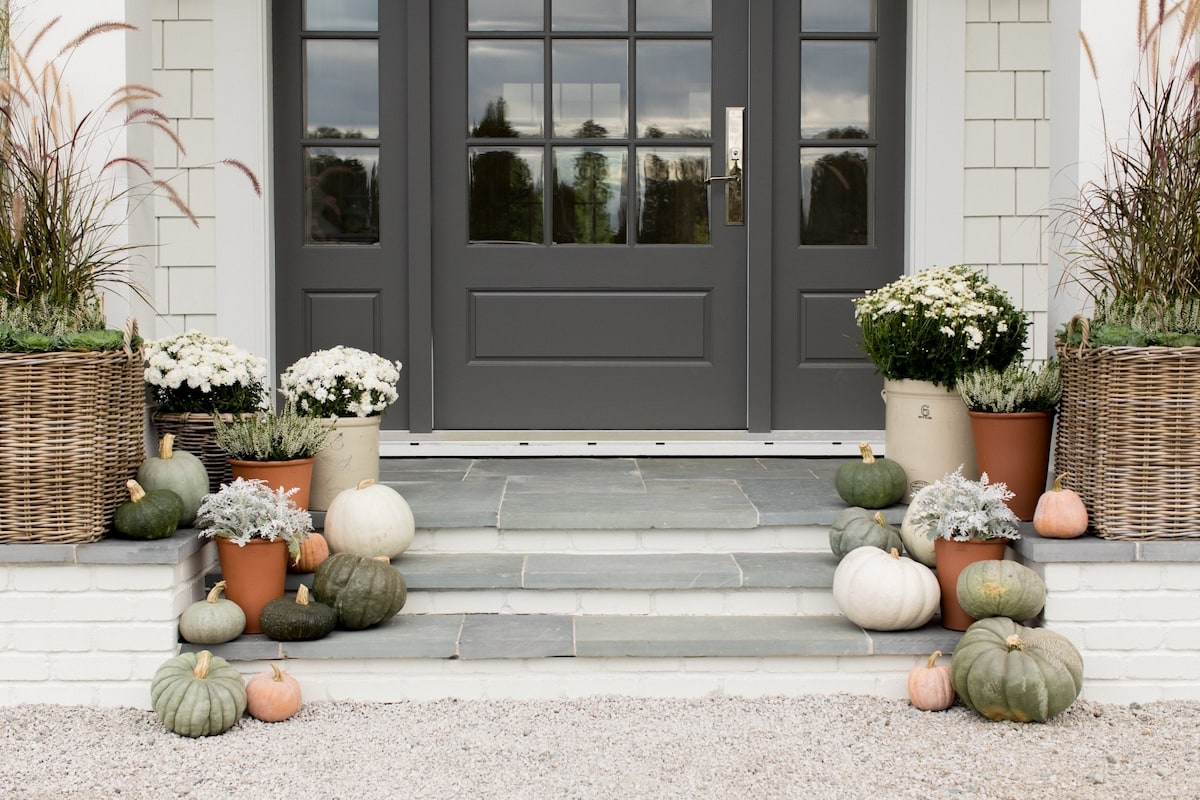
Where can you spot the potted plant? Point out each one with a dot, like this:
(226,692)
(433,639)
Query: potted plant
(277,448)
(923,332)
(193,376)
(348,389)
(1012,423)
(1126,428)
(258,530)
(968,521)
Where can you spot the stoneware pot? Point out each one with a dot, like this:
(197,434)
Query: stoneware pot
(350,456)
(254,575)
(927,431)
(295,473)
(952,558)
(1015,449)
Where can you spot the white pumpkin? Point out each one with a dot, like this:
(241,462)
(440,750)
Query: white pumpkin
(369,520)
(885,591)
(916,537)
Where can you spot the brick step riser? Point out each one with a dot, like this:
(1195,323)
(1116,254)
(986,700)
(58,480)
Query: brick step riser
(656,602)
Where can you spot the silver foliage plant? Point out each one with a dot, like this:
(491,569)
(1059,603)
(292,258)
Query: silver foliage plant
(245,510)
(1016,388)
(960,509)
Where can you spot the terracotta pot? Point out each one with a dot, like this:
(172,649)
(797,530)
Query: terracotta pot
(927,431)
(350,456)
(952,558)
(254,575)
(296,473)
(1015,449)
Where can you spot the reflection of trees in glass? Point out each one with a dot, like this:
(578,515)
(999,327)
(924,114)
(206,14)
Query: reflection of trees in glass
(851,132)
(674,202)
(581,205)
(838,197)
(326,132)
(505,198)
(343,199)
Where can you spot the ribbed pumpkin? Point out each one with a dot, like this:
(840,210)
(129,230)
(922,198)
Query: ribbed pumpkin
(179,471)
(997,588)
(885,591)
(1006,671)
(872,482)
(1060,513)
(300,619)
(313,550)
(148,515)
(929,685)
(857,527)
(213,620)
(916,539)
(273,696)
(362,591)
(198,694)
(369,520)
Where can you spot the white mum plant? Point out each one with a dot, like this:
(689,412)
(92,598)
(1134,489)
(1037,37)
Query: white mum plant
(198,373)
(341,382)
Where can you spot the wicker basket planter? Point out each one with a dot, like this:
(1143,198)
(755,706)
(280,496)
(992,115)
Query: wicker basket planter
(72,431)
(194,432)
(1129,437)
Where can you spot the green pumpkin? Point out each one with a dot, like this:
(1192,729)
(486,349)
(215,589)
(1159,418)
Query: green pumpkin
(298,620)
(997,588)
(213,620)
(870,483)
(857,527)
(148,515)
(362,591)
(198,694)
(179,471)
(1006,671)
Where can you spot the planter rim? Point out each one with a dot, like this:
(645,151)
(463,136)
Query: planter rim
(1012,414)
(244,461)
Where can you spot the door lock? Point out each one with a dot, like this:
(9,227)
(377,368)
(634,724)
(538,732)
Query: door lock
(734,151)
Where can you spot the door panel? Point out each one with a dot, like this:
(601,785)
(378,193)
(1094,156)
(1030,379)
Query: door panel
(583,276)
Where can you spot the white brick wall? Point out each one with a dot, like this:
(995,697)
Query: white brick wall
(1006,176)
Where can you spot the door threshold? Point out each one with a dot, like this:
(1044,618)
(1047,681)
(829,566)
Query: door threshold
(531,444)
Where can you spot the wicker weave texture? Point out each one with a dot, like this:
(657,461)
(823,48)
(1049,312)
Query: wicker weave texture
(72,431)
(194,433)
(1129,435)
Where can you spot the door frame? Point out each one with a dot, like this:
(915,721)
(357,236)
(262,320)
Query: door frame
(242,112)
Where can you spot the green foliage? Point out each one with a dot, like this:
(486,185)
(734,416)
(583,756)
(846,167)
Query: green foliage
(1017,387)
(40,326)
(271,437)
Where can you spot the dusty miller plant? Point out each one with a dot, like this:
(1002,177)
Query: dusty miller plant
(960,509)
(245,510)
(1016,388)
(271,437)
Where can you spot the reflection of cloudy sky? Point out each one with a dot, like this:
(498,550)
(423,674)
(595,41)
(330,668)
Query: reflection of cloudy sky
(589,84)
(835,85)
(504,15)
(837,15)
(674,86)
(674,15)
(343,85)
(508,69)
(589,15)
(341,15)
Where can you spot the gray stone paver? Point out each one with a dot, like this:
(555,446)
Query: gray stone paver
(403,636)
(516,636)
(453,504)
(786,570)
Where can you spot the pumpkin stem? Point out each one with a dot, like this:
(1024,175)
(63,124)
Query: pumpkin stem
(384,559)
(136,492)
(1058,487)
(203,661)
(1014,643)
(214,593)
(365,482)
(867,456)
(278,676)
(895,553)
(166,446)
(933,659)
(302,595)
(879,520)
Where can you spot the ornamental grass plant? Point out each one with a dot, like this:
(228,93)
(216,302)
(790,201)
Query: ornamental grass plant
(939,324)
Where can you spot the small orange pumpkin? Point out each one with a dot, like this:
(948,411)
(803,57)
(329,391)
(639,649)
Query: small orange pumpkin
(929,685)
(313,550)
(272,696)
(1060,513)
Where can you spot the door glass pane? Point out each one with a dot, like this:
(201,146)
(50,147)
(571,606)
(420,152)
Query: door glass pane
(506,188)
(341,86)
(834,196)
(674,89)
(341,15)
(504,87)
(590,97)
(342,192)
(672,198)
(589,15)
(504,15)
(589,195)
(835,90)
(837,15)
(674,15)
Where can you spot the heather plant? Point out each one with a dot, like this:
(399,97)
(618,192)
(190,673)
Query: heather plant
(1019,387)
